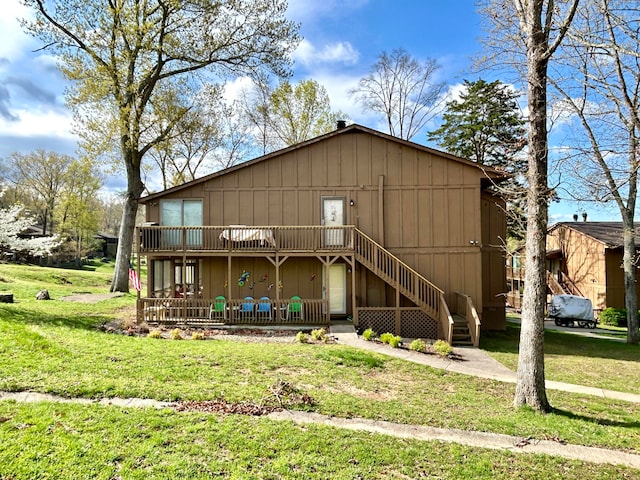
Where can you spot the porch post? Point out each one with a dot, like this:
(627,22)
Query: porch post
(229,287)
(137,250)
(277,312)
(398,316)
(184,280)
(354,307)
(327,287)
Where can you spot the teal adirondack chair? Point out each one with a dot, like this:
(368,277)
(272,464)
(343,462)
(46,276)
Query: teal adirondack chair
(295,308)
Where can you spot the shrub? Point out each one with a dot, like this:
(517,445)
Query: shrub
(319,335)
(197,336)
(302,337)
(386,337)
(442,347)
(394,341)
(369,334)
(157,333)
(616,317)
(175,334)
(418,345)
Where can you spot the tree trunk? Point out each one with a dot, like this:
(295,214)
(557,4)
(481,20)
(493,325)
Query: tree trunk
(135,187)
(629,269)
(530,386)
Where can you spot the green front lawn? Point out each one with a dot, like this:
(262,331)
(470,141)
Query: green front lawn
(55,347)
(574,359)
(65,441)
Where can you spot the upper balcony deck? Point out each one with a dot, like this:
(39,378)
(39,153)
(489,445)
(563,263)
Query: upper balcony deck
(246,240)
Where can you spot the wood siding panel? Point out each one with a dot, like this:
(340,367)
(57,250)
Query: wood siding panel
(364,175)
(440,215)
(334,164)
(289,173)
(393,165)
(303,165)
(318,166)
(393,219)
(455,219)
(410,224)
(425,218)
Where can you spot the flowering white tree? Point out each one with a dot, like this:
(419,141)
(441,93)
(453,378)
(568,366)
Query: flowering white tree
(13,221)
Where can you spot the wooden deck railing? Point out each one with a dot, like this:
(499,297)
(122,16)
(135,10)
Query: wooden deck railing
(398,274)
(241,238)
(211,312)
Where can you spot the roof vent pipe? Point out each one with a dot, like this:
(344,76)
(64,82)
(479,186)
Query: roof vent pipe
(584,216)
(340,124)
(575,217)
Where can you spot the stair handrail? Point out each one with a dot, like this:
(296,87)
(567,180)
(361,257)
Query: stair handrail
(432,297)
(446,321)
(554,285)
(573,288)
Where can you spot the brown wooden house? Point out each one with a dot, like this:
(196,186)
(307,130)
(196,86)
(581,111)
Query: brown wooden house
(585,258)
(354,224)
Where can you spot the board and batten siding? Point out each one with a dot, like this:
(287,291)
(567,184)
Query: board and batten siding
(431,205)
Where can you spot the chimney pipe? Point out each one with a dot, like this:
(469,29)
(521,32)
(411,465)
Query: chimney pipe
(584,216)
(575,217)
(340,124)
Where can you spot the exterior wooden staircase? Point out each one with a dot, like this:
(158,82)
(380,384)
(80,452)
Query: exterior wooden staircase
(554,286)
(461,332)
(563,287)
(413,286)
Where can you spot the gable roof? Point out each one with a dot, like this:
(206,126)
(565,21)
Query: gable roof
(607,233)
(490,172)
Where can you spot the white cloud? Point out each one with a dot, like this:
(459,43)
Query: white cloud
(14,41)
(338,52)
(42,123)
(233,90)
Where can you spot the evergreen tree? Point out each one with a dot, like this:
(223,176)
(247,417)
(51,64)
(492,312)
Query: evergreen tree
(485,125)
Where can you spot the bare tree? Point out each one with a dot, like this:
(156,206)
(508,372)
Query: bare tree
(44,174)
(290,114)
(597,77)
(238,139)
(119,52)
(187,148)
(533,29)
(403,90)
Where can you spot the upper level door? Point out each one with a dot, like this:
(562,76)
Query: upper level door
(333,209)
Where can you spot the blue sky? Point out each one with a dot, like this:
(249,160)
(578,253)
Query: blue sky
(341,40)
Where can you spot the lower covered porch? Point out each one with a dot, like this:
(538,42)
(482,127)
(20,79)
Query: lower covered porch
(280,291)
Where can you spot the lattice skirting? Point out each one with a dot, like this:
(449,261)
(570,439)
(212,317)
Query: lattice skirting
(414,322)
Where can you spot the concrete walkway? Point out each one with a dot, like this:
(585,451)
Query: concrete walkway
(474,362)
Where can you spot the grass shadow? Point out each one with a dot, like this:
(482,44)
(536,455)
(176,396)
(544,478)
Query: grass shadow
(598,421)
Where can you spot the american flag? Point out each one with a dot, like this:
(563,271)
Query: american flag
(135,279)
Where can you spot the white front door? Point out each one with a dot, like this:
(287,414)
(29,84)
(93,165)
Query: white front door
(333,215)
(337,288)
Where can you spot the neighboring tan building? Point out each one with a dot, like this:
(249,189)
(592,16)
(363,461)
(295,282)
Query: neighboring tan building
(354,224)
(586,259)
